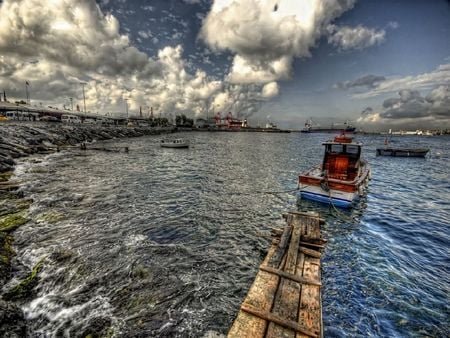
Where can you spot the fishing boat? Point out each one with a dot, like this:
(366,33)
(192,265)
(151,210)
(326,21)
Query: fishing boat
(402,152)
(177,143)
(342,177)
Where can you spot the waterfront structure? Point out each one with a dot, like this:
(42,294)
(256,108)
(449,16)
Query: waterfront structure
(285,298)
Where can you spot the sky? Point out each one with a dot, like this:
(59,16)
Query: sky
(379,64)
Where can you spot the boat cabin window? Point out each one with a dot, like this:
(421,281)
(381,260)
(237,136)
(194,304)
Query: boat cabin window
(336,148)
(343,149)
(352,150)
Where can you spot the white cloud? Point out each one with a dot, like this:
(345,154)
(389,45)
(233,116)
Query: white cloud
(439,76)
(56,45)
(359,37)
(270,90)
(412,109)
(145,34)
(393,24)
(246,71)
(266,35)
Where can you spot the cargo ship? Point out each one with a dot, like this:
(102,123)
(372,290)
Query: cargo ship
(234,124)
(311,127)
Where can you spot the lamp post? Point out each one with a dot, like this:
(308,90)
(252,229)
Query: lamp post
(126,107)
(26,91)
(84,98)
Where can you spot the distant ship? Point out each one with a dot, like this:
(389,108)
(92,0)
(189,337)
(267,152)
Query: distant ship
(311,127)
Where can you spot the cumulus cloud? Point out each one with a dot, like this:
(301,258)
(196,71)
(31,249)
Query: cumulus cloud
(359,37)
(438,77)
(367,111)
(270,90)
(368,81)
(70,33)
(57,45)
(411,105)
(266,35)
(439,98)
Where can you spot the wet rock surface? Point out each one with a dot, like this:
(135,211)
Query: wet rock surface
(12,321)
(20,140)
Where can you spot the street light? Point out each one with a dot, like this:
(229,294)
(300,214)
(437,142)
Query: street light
(126,107)
(26,92)
(84,98)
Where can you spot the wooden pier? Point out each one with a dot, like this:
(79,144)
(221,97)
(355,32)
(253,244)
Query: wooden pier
(285,298)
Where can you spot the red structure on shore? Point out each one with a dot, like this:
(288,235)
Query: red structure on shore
(229,122)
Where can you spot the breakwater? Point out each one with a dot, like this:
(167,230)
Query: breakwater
(21,139)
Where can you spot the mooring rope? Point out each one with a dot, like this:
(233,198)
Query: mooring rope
(338,213)
(262,192)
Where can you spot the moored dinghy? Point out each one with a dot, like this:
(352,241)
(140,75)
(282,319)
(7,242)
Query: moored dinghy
(177,143)
(402,152)
(341,178)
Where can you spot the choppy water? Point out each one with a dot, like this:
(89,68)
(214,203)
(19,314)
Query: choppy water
(166,242)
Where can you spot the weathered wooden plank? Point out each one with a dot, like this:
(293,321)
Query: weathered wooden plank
(261,295)
(285,295)
(278,320)
(280,249)
(311,229)
(295,278)
(310,314)
(286,301)
(313,245)
(291,261)
(310,252)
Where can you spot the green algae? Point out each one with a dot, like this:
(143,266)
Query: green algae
(4,177)
(14,205)
(50,217)
(38,170)
(25,288)
(141,272)
(6,253)
(12,221)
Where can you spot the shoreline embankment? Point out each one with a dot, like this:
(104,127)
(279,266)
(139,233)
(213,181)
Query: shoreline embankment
(18,140)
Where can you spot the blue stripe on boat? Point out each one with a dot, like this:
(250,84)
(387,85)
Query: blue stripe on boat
(337,202)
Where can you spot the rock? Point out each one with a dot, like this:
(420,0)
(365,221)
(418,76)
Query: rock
(11,206)
(12,221)
(20,139)
(98,327)
(6,253)
(25,289)
(4,177)
(7,160)
(12,320)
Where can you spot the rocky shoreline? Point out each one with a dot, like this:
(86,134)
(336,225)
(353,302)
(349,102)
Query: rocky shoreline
(20,140)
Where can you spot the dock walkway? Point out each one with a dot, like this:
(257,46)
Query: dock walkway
(285,298)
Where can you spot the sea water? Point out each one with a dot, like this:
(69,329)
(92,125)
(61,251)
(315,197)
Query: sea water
(166,242)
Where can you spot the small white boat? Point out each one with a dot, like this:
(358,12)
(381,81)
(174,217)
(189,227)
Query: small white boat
(177,143)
